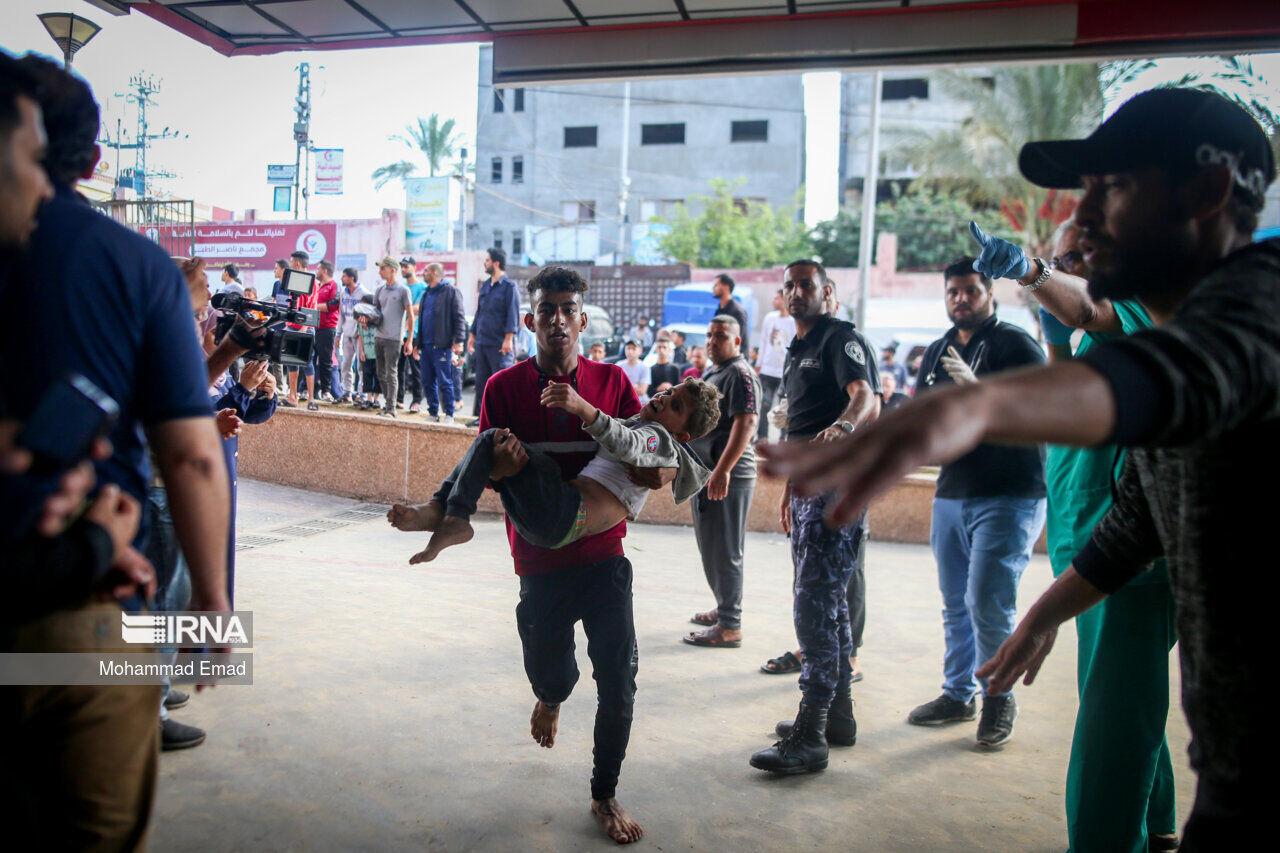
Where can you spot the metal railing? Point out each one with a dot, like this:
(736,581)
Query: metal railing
(172,224)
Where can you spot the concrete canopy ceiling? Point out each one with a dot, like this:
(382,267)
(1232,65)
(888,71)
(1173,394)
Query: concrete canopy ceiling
(540,41)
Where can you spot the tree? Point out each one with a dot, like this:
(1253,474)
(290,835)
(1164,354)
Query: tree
(1014,106)
(731,233)
(431,138)
(932,228)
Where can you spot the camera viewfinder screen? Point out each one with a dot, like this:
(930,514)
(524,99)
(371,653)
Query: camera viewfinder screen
(298,281)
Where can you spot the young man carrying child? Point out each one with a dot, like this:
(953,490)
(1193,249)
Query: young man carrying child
(550,512)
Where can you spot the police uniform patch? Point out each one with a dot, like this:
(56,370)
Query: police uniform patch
(854,350)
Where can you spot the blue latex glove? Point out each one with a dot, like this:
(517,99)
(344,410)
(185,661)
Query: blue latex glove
(999,258)
(1056,332)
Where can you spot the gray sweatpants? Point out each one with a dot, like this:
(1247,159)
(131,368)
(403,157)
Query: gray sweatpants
(720,528)
(388,364)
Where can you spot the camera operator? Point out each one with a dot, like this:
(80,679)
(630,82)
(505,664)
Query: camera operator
(82,760)
(298,261)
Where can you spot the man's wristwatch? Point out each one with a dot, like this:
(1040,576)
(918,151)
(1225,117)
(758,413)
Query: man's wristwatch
(847,426)
(1045,271)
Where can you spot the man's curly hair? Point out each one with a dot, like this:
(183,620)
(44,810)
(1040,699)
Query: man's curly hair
(556,280)
(705,413)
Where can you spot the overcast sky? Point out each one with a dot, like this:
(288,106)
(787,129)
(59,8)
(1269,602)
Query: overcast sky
(238,114)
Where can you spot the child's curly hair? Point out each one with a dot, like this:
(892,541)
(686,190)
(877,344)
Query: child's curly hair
(706,407)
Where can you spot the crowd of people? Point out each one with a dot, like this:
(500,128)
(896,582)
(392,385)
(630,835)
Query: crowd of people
(1162,393)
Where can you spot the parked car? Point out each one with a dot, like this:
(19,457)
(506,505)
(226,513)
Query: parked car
(599,328)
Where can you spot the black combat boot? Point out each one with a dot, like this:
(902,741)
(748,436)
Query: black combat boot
(803,750)
(842,728)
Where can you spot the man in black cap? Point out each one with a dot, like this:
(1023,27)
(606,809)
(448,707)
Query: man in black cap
(1173,183)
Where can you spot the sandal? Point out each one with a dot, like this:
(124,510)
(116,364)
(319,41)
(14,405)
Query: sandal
(312,407)
(782,664)
(711,617)
(711,637)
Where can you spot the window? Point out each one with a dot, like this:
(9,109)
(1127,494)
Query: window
(517,170)
(662,134)
(495,174)
(905,89)
(744,205)
(497,239)
(518,105)
(658,209)
(749,131)
(497,100)
(580,137)
(517,243)
(578,211)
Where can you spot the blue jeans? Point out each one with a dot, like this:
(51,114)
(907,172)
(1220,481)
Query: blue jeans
(437,379)
(173,578)
(982,546)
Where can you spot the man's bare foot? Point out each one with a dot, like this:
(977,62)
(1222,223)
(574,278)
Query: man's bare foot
(544,723)
(617,824)
(421,517)
(451,531)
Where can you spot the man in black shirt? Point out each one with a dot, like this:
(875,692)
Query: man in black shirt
(1173,182)
(988,511)
(664,373)
(720,509)
(832,388)
(722,290)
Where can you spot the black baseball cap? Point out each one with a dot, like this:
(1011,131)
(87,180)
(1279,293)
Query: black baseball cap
(1173,128)
(408,260)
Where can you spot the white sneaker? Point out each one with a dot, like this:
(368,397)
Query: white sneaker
(448,420)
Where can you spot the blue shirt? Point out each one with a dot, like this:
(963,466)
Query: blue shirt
(497,312)
(109,304)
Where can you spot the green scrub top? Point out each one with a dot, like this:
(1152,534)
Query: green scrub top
(1080,480)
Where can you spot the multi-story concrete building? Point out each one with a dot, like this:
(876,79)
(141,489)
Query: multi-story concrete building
(911,102)
(554,163)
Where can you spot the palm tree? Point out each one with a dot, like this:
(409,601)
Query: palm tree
(1007,109)
(430,137)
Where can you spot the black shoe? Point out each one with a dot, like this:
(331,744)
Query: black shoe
(842,728)
(996,726)
(175,700)
(176,735)
(944,709)
(803,750)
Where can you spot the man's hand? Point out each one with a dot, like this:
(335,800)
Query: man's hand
(784,511)
(130,574)
(118,514)
(999,258)
(651,478)
(957,368)
(457,348)
(61,506)
(471,344)
(1023,653)
(509,455)
(718,485)
(508,344)
(268,386)
(253,375)
(407,349)
(1056,333)
(831,433)
(561,395)
(228,423)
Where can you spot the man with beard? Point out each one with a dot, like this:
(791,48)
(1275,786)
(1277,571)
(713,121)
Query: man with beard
(988,511)
(1173,182)
(497,318)
(1120,785)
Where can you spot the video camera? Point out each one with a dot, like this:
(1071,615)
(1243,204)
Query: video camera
(280,345)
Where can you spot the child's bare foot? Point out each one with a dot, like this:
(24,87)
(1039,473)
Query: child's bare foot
(421,517)
(617,824)
(544,723)
(451,531)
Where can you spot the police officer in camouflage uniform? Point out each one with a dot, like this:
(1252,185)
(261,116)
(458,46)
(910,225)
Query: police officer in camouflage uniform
(832,387)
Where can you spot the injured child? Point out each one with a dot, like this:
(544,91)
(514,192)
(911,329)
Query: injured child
(551,513)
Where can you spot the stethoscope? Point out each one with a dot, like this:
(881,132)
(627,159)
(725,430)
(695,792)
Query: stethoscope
(978,352)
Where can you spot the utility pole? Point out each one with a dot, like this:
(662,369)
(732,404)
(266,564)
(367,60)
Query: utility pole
(869,201)
(624,190)
(462,179)
(142,87)
(301,133)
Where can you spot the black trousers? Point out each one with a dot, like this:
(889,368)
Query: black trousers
(410,381)
(598,595)
(856,592)
(769,391)
(324,361)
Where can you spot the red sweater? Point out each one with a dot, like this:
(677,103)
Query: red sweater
(511,400)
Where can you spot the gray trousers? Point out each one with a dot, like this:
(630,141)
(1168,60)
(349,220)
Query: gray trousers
(388,369)
(720,528)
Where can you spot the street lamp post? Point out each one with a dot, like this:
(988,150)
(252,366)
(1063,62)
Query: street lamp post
(70,32)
